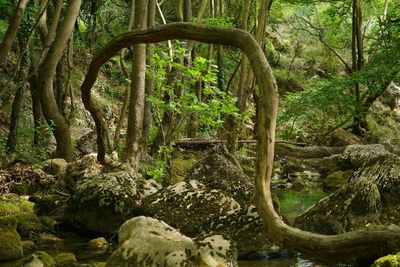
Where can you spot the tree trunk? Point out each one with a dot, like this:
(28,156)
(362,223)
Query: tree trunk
(60,86)
(46,75)
(231,122)
(371,241)
(360,122)
(126,74)
(11,33)
(14,119)
(150,83)
(137,96)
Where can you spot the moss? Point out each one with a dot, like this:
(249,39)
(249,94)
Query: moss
(28,224)
(39,258)
(180,168)
(46,204)
(11,204)
(65,260)
(388,261)
(28,247)
(337,179)
(48,222)
(10,241)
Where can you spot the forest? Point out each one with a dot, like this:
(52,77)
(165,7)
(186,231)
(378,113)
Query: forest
(199,133)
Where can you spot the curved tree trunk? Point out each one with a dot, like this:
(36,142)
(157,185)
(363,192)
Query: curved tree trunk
(11,34)
(46,75)
(371,241)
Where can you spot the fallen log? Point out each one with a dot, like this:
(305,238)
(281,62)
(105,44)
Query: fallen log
(283,148)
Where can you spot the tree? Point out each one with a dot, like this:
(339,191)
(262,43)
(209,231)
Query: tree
(137,95)
(46,74)
(374,240)
(11,34)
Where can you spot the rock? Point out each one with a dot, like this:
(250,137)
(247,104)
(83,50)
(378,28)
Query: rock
(341,137)
(10,241)
(186,206)
(37,259)
(29,225)
(217,172)
(299,184)
(354,156)
(180,168)
(11,204)
(84,168)
(372,195)
(28,247)
(195,210)
(66,260)
(149,242)
(101,203)
(49,204)
(243,227)
(99,243)
(87,143)
(388,261)
(49,240)
(336,180)
(388,101)
(56,167)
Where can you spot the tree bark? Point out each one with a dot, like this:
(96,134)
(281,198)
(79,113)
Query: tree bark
(12,30)
(150,83)
(124,70)
(137,95)
(46,75)
(14,119)
(371,241)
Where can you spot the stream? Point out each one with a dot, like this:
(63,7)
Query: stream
(292,204)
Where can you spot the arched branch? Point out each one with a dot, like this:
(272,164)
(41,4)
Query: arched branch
(369,241)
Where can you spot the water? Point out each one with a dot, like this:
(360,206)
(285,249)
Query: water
(293,203)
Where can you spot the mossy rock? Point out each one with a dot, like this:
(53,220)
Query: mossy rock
(66,260)
(11,204)
(99,243)
(29,225)
(388,261)
(10,240)
(217,172)
(299,184)
(49,205)
(180,168)
(102,203)
(337,179)
(39,258)
(28,246)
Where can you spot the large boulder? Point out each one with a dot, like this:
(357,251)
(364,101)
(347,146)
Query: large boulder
(149,242)
(372,195)
(39,258)
(84,168)
(354,156)
(217,172)
(186,206)
(195,210)
(242,226)
(103,202)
